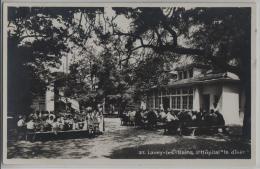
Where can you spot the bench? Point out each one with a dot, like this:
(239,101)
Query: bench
(161,125)
(43,135)
(180,126)
(210,127)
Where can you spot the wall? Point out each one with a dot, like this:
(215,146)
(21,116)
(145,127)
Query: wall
(49,99)
(212,91)
(196,98)
(230,104)
(38,103)
(242,101)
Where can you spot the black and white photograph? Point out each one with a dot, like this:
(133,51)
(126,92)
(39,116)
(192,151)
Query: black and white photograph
(128,82)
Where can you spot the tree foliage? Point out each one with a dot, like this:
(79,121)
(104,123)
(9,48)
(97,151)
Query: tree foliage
(115,63)
(217,36)
(37,39)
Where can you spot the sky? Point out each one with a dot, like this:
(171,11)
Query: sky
(122,23)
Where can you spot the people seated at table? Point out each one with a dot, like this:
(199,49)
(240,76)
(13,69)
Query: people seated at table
(195,117)
(198,115)
(21,126)
(138,118)
(185,115)
(172,121)
(221,120)
(156,111)
(30,125)
(151,119)
(100,120)
(162,116)
(54,125)
(91,119)
(124,117)
(132,117)
(48,122)
(85,124)
(170,116)
(50,119)
(144,114)
(61,123)
(214,118)
(75,124)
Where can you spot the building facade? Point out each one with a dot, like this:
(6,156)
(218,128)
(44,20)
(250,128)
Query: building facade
(44,102)
(54,100)
(199,88)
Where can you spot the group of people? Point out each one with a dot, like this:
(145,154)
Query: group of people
(88,119)
(151,117)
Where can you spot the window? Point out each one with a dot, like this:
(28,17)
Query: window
(184,102)
(163,92)
(178,102)
(190,73)
(167,91)
(182,98)
(190,102)
(156,101)
(150,102)
(190,91)
(216,98)
(174,102)
(173,91)
(180,75)
(185,91)
(185,73)
(178,91)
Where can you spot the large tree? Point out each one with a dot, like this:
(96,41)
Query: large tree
(217,36)
(37,40)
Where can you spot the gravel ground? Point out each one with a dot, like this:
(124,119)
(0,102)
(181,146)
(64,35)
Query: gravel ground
(130,142)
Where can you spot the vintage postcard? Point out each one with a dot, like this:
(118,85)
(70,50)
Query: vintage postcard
(89,82)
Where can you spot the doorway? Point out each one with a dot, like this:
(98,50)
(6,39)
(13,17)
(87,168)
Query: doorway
(206,102)
(166,102)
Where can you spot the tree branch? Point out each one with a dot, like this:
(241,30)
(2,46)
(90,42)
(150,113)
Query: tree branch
(159,40)
(224,65)
(32,36)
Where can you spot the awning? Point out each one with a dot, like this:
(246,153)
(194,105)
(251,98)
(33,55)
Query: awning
(74,103)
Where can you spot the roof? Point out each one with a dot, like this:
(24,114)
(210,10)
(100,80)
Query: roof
(207,78)
(197,65)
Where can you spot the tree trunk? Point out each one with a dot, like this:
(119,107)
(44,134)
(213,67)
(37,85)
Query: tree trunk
(246,84)
(247,109)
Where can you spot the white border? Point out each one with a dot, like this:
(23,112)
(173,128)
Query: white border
(127,162)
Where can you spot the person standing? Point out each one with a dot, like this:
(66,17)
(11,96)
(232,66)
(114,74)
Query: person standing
(100,121)
(162,116)
(30,127)
(132,117)
(21,127)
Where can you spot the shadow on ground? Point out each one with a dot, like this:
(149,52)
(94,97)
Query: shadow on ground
(123,142)
(201,146)
(187,148)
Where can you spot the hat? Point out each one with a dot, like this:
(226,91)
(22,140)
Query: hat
(89,108)
(52,115)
